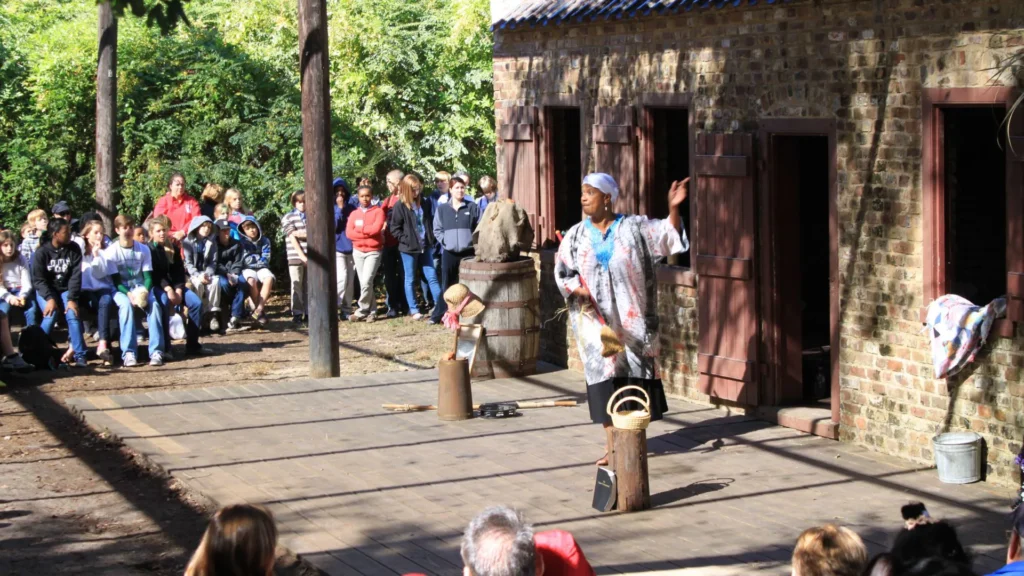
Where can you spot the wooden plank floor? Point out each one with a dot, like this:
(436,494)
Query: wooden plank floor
(357,490)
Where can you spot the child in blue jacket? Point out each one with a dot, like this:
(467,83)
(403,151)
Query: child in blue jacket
(257,266)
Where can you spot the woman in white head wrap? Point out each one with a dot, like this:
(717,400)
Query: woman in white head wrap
(607,262)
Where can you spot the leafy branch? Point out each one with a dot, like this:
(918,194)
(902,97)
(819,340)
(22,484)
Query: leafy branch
(166,14)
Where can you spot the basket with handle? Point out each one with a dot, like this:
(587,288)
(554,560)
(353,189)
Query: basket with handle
(630,419)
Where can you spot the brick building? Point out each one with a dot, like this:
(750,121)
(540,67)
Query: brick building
(830,141)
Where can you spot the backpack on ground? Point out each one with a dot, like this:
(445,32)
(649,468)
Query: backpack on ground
(38,349)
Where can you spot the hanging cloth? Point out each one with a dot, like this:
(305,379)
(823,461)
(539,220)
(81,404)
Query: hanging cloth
(958,329)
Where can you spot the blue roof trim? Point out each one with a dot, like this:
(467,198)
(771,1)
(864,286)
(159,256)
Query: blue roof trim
(545,12)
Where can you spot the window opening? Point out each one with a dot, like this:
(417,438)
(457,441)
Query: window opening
(974,170)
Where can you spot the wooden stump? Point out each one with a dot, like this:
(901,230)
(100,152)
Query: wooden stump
(454,395)
(629,461)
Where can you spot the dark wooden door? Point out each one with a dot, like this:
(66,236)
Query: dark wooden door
(615,148)
(1015,219)
(520,160)
(725,264)
(785,223)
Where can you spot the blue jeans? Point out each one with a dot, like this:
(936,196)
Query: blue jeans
(236,294)
(424,262)
(31,310)
(126,321)
(195,317)
(99,301)
(75,334)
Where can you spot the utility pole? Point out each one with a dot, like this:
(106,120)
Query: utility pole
(106,117)
(321,270)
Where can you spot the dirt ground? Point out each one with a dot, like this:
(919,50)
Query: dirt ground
(73,502)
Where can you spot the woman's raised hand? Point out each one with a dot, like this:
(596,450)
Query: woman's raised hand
(678,192)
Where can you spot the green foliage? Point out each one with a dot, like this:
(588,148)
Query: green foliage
(165,14)
(218,99)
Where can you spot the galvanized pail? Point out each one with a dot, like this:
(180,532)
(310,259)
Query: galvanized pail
(958,457)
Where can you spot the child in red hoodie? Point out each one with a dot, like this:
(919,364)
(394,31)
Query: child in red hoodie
(365,230)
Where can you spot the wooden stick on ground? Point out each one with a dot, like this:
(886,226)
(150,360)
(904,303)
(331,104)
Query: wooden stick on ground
(521,405)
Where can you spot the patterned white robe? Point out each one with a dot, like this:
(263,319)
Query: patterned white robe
(618,269)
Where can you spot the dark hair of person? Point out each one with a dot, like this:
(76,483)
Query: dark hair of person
(239,541)
(173,176)
(361,188)
(55,225)
(926,538)
(456,180)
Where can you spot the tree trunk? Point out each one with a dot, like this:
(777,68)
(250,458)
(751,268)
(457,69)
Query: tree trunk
(629,460)
(106,117)
(316,161)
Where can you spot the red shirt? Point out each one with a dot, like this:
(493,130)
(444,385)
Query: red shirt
(180,211)
(562,556)
(387,205)
(364,229)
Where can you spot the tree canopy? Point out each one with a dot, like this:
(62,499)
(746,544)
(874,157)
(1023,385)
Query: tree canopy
(218,98)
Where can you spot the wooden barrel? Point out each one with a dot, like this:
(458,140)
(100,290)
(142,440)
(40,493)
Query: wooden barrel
(511,320)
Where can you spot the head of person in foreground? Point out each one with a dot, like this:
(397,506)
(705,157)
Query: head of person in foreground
(829,550)
(239,541)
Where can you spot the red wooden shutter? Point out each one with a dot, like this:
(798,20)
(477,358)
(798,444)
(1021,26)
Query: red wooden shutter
(726,275)
(1015,219)
(520,156)
(615,145)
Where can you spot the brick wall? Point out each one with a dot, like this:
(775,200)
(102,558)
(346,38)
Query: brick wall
(862,63)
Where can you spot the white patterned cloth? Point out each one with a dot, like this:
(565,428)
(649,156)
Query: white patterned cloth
(618,269)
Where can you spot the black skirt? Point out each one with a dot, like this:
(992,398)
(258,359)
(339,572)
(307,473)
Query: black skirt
(599,393)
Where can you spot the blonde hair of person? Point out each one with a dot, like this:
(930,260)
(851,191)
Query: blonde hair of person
(406,189)
(6,237)
(239,541)
(234,193)
(34,215)
(395,176)
(488,185)
(164,222)
(214,193)
(442,176)
(829,550)
(221,208)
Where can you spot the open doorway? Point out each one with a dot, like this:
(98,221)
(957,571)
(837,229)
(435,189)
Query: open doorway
(669,151)
(564,165)
(974,170)
(801,193)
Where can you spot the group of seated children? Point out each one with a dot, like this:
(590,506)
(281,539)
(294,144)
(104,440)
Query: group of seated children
(60,271)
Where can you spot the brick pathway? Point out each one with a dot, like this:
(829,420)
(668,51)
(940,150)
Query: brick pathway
(358,490)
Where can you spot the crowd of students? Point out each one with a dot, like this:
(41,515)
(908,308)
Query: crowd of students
(206,267)
(241,540)
(415,238)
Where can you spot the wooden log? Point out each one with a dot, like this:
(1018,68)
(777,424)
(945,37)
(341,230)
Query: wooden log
(106,117)
(454,394)
(629,460)
(321,296)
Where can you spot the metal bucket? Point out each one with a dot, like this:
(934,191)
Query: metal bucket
(958,457)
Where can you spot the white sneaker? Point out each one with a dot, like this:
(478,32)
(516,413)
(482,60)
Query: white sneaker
(129,360)
(16,363)
(418,316)
(157,359)
(214,324)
